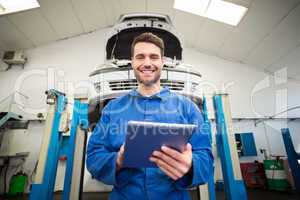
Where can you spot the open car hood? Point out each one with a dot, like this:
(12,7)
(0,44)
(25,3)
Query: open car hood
(129,26)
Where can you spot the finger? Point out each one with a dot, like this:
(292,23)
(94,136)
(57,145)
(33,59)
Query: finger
(122,147)
(172,153)
(167,172)
(170,161)
(161,163)
(121,153)
(188,147)
(174,177)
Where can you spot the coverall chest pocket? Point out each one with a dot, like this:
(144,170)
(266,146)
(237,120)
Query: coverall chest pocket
(171,117)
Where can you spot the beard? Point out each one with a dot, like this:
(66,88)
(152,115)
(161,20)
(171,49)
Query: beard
(149,82)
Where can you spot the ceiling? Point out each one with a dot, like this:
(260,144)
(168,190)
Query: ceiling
(267,38)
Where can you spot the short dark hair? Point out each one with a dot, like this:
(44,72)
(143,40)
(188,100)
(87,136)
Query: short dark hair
(149,38)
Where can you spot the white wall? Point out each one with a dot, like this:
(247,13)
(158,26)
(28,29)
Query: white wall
(243,83)
(66,64)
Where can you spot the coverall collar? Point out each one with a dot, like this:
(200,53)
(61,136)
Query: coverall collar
(162,94)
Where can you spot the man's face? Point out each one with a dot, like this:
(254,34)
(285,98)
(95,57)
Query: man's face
(147,63)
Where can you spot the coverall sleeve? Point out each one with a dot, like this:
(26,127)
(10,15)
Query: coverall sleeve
(101,157)
(202,160)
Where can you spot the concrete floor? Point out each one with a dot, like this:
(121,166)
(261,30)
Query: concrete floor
(253,194)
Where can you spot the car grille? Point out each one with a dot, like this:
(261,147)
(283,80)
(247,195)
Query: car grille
(132,83)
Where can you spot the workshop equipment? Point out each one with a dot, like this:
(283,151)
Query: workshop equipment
(9,162)
(293,157)
(276,176)
(57,141)
(17,184)
(233,182)
(207,191)
(254,175)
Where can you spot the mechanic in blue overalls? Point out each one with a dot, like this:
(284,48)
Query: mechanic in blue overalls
(177,171)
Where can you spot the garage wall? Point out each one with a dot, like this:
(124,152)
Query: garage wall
(66,64)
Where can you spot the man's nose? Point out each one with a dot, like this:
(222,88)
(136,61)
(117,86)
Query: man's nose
(147,62)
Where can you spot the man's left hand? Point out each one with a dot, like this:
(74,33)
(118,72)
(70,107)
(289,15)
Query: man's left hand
(174,163)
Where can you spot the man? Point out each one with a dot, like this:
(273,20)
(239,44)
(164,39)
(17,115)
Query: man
(177,171)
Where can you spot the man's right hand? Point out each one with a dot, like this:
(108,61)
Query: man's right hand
(120,158)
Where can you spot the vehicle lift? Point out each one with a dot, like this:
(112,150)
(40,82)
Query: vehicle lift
(59,141)
(227,151)
(293,157)
(207,191)
(226,147)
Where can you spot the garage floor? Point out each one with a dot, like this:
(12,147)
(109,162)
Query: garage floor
(253,194)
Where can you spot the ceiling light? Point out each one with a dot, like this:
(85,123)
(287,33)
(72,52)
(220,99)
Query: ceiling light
(225,12)
(11,6)
(218,10)
(197,7)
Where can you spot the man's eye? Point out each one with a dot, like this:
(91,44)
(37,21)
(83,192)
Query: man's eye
(139,57)
(154,57)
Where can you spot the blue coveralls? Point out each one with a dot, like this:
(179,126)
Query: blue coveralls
(147,183)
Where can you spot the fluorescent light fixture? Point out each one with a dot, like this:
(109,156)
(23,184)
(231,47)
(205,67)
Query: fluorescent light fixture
(226,12)
(11,6)
(218,10)
(197,7)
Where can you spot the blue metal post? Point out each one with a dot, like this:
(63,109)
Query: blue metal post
(211,181)
(70,155)
(45,189)
(293,157)
(79,118)
(234,189)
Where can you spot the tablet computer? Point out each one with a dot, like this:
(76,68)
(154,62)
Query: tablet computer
(145,137)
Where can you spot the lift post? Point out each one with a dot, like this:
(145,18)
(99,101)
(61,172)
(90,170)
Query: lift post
(59,142)
(50,148)
(207,191)
(293,157)
(76,150)
(233,182)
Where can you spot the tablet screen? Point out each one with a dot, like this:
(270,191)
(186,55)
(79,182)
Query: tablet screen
(145,137)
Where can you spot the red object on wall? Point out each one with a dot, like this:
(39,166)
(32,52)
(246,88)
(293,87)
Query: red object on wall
(254,175)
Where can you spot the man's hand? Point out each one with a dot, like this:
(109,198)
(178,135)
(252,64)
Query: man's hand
(120,158)
(175,164)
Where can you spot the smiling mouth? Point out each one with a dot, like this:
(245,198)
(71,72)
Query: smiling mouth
(147,71)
